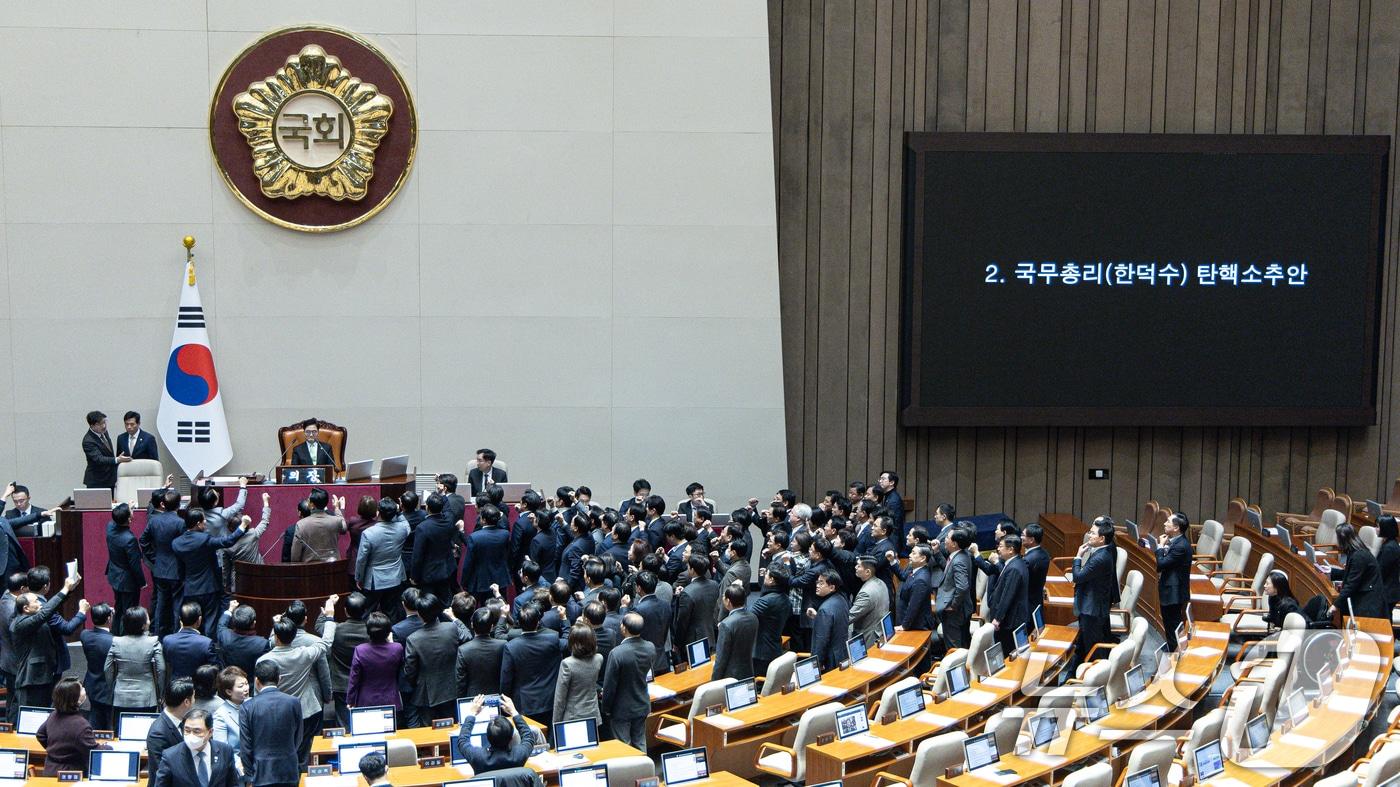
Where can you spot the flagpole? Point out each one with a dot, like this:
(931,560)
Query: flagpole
(189,256)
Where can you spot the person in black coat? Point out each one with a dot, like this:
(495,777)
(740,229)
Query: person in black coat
(1173,574)
(102,459)
(134,441)
(1361,579)
(737,633)
(164,734)
(1095,588)
(656,615)
(1037,564)
(269,731)
(97,641)
(1281,599)
(543,548)
(311,451)
(913,610)
(487,557)
(197,553)
(626,702)
(1389,558)
(831,621)
(1007,602)
(163,526)
(580,546)
(772,608)
(530,668)
(239,643)
(124,571)
(479,658)
(434,568)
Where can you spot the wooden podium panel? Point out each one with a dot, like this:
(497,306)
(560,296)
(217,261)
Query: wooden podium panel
(269,587)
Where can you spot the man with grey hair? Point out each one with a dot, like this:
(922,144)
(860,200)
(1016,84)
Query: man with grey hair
(800,517)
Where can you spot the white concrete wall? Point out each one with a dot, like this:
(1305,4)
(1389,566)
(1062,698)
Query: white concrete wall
(594,189)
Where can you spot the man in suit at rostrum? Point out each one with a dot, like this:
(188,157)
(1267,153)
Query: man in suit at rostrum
(134,441)
(312,451)
(485,472)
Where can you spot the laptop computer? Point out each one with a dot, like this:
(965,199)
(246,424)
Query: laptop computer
(575,735)
(1045,727)
(684,766)
(1147,777)
(909,701)
(584,776)
(113,766)
(1021,638)
(92,499)
(30,719)
(887,626)
(806,672)
(513,492)
(1136,683)
(1296,708)
(697,652)
(373,720)
(477,739)
(855,649)
(980,751)
(14,764)
(359,470)
(1094,705)
(1038,618)
(738,696)
(393,466)
(993,658)
(1209,761)
(851,722)
(143,498)
(348,756)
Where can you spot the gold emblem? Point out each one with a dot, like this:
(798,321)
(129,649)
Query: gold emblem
(313,128)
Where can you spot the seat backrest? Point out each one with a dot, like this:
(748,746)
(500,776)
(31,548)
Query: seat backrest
(1272,689)
(1057,697)
(1261,573)
(1237,556)
(1132,589)
(1343,504)
(135,475)
(1243,702)
(1327,525)
(1137,634)
(1208,543)
(402,752)
(1006,724)
(1234,512)
(1100,775)
(1343,779)
(814,721)
(1157,753)
(1384,764)
(948,662)
(980,588)
(1121,564)
(1149,515)
(708,694)
(982,638)
(779,673)
(1206,728)
(625,771)
(1370,538)
(936,755)
(333,436)
(1394,501)
(1120,659)
(1321,502)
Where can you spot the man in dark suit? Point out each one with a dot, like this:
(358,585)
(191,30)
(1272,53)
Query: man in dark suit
(954,598)
(102,459)
(163,526)
(187,648)
(1037,564)
(625,698)
(1095,588)
(1173,574)
(888,484)
(656,617)
(738,632)
(125,574)
(134,441)
(479,659)
(36,654)
(579,547)
(830,621)
(165,731)
(269,732)
(530,668)
(312,451)
(25,516)
(772,608)
(1007,602)
(239,643)
(97,641)
(430,663)
(434,569)
(197,552)
(695,605)
(498,753)
(487,561)
(209,765)
(454,506)
(348,635)
(485,473)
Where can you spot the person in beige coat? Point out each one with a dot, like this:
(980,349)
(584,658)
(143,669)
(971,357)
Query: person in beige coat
(872,601)
(580,674)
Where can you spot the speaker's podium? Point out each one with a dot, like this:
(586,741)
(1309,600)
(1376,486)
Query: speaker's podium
(269,587)
(305,474)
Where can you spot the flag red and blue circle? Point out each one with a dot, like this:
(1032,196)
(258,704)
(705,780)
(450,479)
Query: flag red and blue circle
(189,377)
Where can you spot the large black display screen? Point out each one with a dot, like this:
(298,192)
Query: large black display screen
(1087,279)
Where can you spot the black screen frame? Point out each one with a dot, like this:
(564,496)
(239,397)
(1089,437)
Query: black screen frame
(913,356)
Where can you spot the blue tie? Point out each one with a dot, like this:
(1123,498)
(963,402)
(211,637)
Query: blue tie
(201,770)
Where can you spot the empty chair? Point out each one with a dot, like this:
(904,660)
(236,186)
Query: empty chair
(133,476)
(886,703)
(1006,724)
(1234,513)
(982,638)
(779,673)
(931,760)
(1370,538)
(1100,775)
(1245,608)
(939,685)
(1324,534)
(1157,753)
(674,729)
(1208,543)
(402,752)
(1232,565)
(625,771)
(1137,634)
(1204,730)
(791,764)
(1381,765)
(1121,617)
(1120,660)
(1120,565)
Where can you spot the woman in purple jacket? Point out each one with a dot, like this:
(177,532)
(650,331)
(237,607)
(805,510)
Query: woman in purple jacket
(375,667)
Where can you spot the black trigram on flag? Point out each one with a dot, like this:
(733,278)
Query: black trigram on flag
(190,317)
(192,431)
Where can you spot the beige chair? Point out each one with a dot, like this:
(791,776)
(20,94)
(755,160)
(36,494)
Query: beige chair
(779,673)
(982,638)
(1204,730)
(1156,753)
(1120,660)
(137,474)
(1208,544)
(941,669)
(402,752)
(1325,535)
(886,703)
(1343,779)
(1371,538)
(1137,633)
(791,764)
(1120,565)
(1006,724)
(1100,775)
(1120,618)
(625,771)
(1232,565)
(1244,611)
(1381,765)
(674,729)
(932,759)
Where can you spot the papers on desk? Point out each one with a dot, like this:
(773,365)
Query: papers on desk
(869,741)
(13,782)
(1303,741)
(1203,651)
(1043,758)
(1000,683)
(656,692)
(877,666)
(823,690)
(934,719)
(553,761)
(1357,705)
(1052,643)
(724,722)
(990,773)
(898,650)
(974,697)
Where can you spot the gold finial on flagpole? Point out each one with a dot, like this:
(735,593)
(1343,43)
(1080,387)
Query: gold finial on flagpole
(189,256)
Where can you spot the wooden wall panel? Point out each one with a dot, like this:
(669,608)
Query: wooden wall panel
(851,76)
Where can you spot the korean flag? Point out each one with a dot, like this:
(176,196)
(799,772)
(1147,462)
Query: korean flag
(191,419)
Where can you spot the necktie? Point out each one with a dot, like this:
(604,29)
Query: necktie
(107,441)
(201,769)
(311,452)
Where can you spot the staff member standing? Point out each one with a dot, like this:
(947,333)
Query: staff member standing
(124,571)
(1173,574)
(102,459)
(1095,588)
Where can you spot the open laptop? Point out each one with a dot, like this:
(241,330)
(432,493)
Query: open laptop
(1209,761)
(113,766)
(575,735)
(373,720)
(92,499)
(1038,619)
(1094,705)
(807,672)
(132,729)
(1160,661)
(393,466)
(855,649)
(1147,777)
(359,470)
(1045,727)
(585,776)
(513,492)
(14,764)
(1136,683)
(30,719)
(684,766)
(851,722)
(994,659)
(887,626)
(697,652)
(143,498)
(348,756)
(910,701)
(477,739)
(738,696)
(980,751)
(1296,708)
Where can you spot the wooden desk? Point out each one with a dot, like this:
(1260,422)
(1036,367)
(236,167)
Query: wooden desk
(733,739)
(721,779)
(413,775)
(1305,580)
(428,741)
(855,764)
(1036,766)
(672,693)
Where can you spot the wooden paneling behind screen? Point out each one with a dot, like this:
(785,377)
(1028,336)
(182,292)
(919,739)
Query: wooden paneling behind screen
(850,77)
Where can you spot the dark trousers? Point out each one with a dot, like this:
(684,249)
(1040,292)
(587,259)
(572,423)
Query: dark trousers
(310,728)
(124,600)
(164,603)
(424,714)
(1171,618)
(957,630)
(443,590)
(386,600)
(7,679)
(342,710)
(760,667)
(208,610)
(1093,629)
(632,732)
(100,717)
(40,696)
(1007,639)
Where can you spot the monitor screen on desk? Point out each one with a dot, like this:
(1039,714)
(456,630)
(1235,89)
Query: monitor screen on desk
(477,739)
(1021,638)
(14,764)
(807,671)
(1209,762)
(586,776)
(1135,680)
(1038,618)
(910,700)
(738,696)
(1095,704)
(1297,706)
(981,751)
(855,649)
(852,721)
(348,756)
(957,680)
(372,720)
(994,658)
(576,734)
(30,719)
(887,626)
(1257,732)
(686,765)
(1147,777)
(113,766)
(135,726)
(698,652)
(1044,728)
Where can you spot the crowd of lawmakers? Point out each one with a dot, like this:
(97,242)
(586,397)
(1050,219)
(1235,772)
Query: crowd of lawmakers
(565,613)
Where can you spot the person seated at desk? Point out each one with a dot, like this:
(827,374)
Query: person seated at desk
(313,451)
(374,767)
(66,734)
(485,473)
(499,753)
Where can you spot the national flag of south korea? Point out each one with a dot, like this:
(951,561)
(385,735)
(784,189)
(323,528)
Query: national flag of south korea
(191,418)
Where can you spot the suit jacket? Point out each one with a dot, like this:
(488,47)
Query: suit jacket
(479,666)
(772,610)
(301,455)
(185,651)
(177,767)
(544,550)
(348,635)
(1095,583)
(135,670)
(894,503)
(571,563)
(143,447)
(956,589)
(317,538)
(869,609)
(1173,571)
(830,630)
(373,678)
(1389,562)
(23,523)
(1007,602)
(163,735)
(695,612)
(101,461)
(529,669)
(1037,567)
(1361,583)
(36,649)
(379,561)
(12,557)
(487,560)
(734,649)
(9,662)
(96,644)
(269,733)
(913,610)
(656,619)
(478,482)
(576,693)
(67,738)
(298,665)
(124,571)
(483,760)
(196,551)
(625,679)
(162,529)
(432,550)
(239,650)
(430,664)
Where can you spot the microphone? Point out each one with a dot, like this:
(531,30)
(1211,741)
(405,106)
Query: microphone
(272,472)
